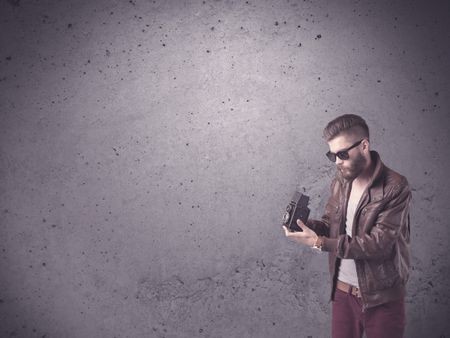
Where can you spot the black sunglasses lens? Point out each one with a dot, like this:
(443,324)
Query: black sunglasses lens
(331,156)
(343,155)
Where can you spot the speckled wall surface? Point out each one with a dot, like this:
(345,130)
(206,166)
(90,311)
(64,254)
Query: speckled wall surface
(148,149)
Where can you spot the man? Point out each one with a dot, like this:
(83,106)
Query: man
(365,230)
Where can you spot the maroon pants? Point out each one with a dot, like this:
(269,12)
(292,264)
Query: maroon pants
(383,321)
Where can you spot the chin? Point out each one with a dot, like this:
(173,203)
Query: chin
(348,175)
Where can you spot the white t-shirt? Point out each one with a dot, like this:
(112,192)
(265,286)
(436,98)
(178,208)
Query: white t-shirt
(347,270)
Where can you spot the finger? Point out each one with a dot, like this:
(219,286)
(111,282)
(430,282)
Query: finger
(295,234)
(286,231)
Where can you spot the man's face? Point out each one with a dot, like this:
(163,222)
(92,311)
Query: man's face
(356,163)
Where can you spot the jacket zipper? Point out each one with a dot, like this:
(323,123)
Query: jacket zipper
(363,197)
(357,213)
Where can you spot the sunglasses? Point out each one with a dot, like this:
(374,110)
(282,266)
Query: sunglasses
(343,154)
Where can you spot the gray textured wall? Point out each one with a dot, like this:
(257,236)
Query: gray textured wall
(148,149)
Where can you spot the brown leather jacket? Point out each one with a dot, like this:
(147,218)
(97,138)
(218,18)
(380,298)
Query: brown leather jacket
(380,241)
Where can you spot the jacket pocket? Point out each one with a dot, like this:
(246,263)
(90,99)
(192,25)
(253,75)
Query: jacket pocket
(383,275)
(368,217)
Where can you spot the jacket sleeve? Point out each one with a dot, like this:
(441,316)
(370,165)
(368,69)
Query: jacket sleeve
(379,242)
(322,227)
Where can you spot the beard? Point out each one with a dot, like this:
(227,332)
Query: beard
(354,167)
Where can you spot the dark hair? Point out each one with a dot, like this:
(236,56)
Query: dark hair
(348,123)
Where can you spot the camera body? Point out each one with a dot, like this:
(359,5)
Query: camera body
(297,209)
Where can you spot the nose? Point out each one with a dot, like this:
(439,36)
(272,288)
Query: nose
(338,161)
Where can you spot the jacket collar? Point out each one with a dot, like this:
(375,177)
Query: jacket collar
(375,189)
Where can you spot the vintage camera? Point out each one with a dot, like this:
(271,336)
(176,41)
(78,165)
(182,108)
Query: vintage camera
(297,209)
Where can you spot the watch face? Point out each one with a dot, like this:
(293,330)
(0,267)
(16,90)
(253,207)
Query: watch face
(318,246)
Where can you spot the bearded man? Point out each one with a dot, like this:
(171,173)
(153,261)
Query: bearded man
(365,230)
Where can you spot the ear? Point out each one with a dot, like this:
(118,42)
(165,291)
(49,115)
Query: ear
(366,145)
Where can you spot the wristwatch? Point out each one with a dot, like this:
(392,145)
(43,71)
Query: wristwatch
(318,244)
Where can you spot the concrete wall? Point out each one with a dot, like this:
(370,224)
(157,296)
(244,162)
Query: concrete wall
(148,149)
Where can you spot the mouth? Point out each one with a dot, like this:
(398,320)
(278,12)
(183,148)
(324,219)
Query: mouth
(344,170)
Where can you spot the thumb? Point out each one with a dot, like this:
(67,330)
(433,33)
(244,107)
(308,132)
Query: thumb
(301,224)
